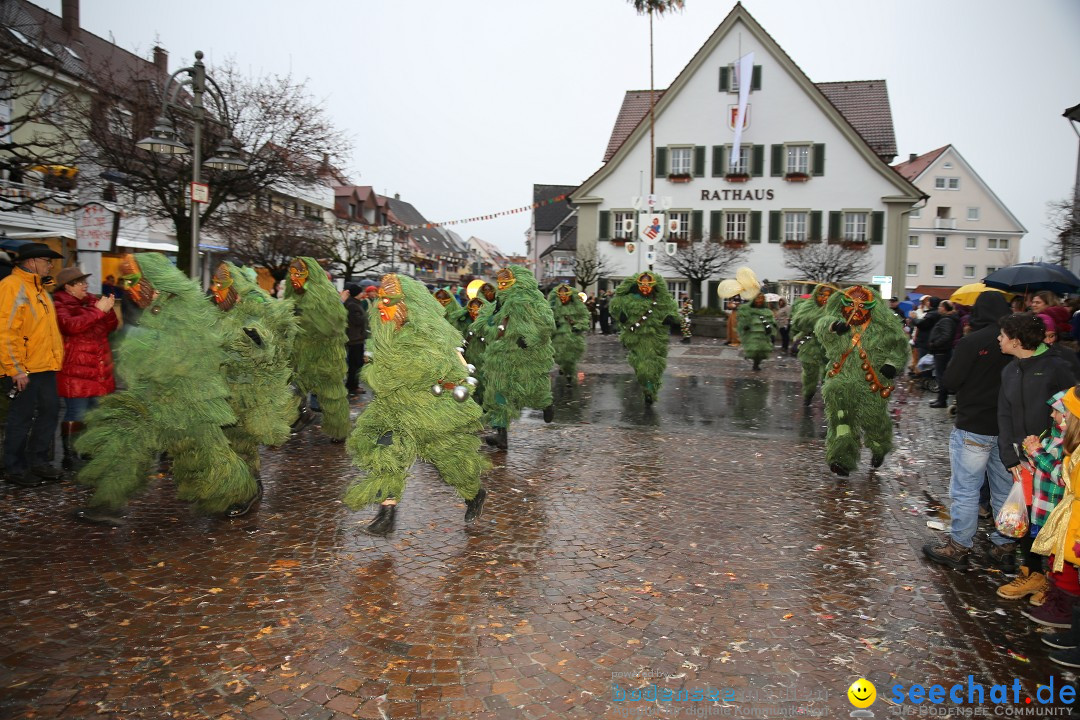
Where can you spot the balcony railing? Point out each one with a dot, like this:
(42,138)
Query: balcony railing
(944,223)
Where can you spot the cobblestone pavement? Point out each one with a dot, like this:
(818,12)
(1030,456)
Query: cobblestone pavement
(702,543)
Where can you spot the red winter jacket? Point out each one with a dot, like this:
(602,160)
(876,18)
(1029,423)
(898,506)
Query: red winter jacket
(88,362)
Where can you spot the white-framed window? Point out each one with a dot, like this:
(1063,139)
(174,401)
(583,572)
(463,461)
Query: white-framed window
(735,225)
(947,165)
(913,241)
(969,272)
(946,183)
(795,226)
(623,224)
(939,271)
(798,159)
(973,213)
(120,122)
(941,242)
(916,213)
(997,243)
(991,269)
(743,164)
(912,269)
(677,288)
(682,159)
(682,217)
(855,226)
(971,243)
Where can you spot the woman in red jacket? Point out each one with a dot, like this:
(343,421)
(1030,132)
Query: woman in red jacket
(85,323)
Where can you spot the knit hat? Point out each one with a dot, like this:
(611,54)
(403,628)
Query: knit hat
(353,289)
(1056,402)
(1071,401)
(1048,322)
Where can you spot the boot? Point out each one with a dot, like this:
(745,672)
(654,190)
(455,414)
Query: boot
(757,364)
(304,418)
(68,432)
(475,508)
(243,508)
(499,440)
(383,524)
(549,413)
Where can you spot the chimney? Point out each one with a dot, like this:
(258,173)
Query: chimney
(69,16)
(911,157)
(397,196)
(161,60)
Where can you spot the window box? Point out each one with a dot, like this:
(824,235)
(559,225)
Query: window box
(733,244)
(794,244)
(619,242)
(796,177)
(855,244)
(680,178)
(737,177)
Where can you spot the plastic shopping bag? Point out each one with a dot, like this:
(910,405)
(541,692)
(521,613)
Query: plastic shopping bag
(1012,520)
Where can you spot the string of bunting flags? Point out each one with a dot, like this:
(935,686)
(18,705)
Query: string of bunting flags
(480,218)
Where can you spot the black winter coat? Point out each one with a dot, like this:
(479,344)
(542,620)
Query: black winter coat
(1026,385)
(974,373)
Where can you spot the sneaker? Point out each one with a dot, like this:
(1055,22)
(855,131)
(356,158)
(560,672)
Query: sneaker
(1038,598)
(1069,658)
(1060,641)
(1026,583)
(947,552)
(1056,612)
(48,472)
(1002,556)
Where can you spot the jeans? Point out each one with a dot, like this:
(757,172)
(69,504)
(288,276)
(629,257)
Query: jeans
(31,424)
(972,458)
(75,409)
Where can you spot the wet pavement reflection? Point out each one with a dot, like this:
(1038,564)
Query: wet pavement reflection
(700,542)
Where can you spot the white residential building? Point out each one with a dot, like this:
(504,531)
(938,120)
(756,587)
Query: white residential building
(963,233)
(813,163)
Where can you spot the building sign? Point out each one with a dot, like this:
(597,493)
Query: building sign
(738,194)
(733,117)
(630,248)
(200,192)
(94,228)
(651,227)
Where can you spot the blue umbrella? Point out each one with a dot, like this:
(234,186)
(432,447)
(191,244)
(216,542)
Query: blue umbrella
(915,297)
(1026,277)
(905,306)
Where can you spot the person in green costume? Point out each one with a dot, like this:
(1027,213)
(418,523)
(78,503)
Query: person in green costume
(644,308)
(420,409)
(462,317)
(804,316)
(474,340)
(757,329)
(259,336)
(447,301)
(319,350)
(864,345)
(518,356)
(175,399)
(571,323)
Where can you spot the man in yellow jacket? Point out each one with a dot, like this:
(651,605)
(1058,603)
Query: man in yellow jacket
(31,353)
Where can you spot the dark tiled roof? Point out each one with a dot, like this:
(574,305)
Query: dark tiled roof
(430,240)
(567,243)
(547,217)
(635,106)
(915,167)
(865,104)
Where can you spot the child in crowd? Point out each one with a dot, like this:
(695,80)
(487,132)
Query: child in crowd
(1058,539)
(1045,455)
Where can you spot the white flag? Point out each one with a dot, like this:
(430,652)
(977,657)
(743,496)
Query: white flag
(745,73)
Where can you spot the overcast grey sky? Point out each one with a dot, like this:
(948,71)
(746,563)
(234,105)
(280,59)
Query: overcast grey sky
(461,106)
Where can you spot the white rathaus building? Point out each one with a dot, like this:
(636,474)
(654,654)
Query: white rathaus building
(813,164)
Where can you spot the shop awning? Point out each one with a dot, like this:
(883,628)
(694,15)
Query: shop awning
(146,245)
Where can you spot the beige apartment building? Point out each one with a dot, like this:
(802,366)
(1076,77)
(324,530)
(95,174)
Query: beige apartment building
(962,233)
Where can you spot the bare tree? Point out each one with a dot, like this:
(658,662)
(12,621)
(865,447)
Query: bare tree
(288,137)
(267,238)
(702,260)
(1064,226)
(828,262)
(590,267)
(41,162)
(354,248)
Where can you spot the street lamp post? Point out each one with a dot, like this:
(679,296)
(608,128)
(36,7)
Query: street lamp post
(1073,114)
(163,139)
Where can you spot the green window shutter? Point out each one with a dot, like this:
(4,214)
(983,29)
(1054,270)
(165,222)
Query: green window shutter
(815,226)
(775,218)
(716,224)
(661,162)
(757,160)
(725,78)
(819,159)
(699,161)
(697,223)
(755,226)
(718,161)
(777,161)
(755,78)
(605,225)
(877,227)
(836,218)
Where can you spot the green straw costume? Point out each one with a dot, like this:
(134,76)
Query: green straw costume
(571,323)
(644,308)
